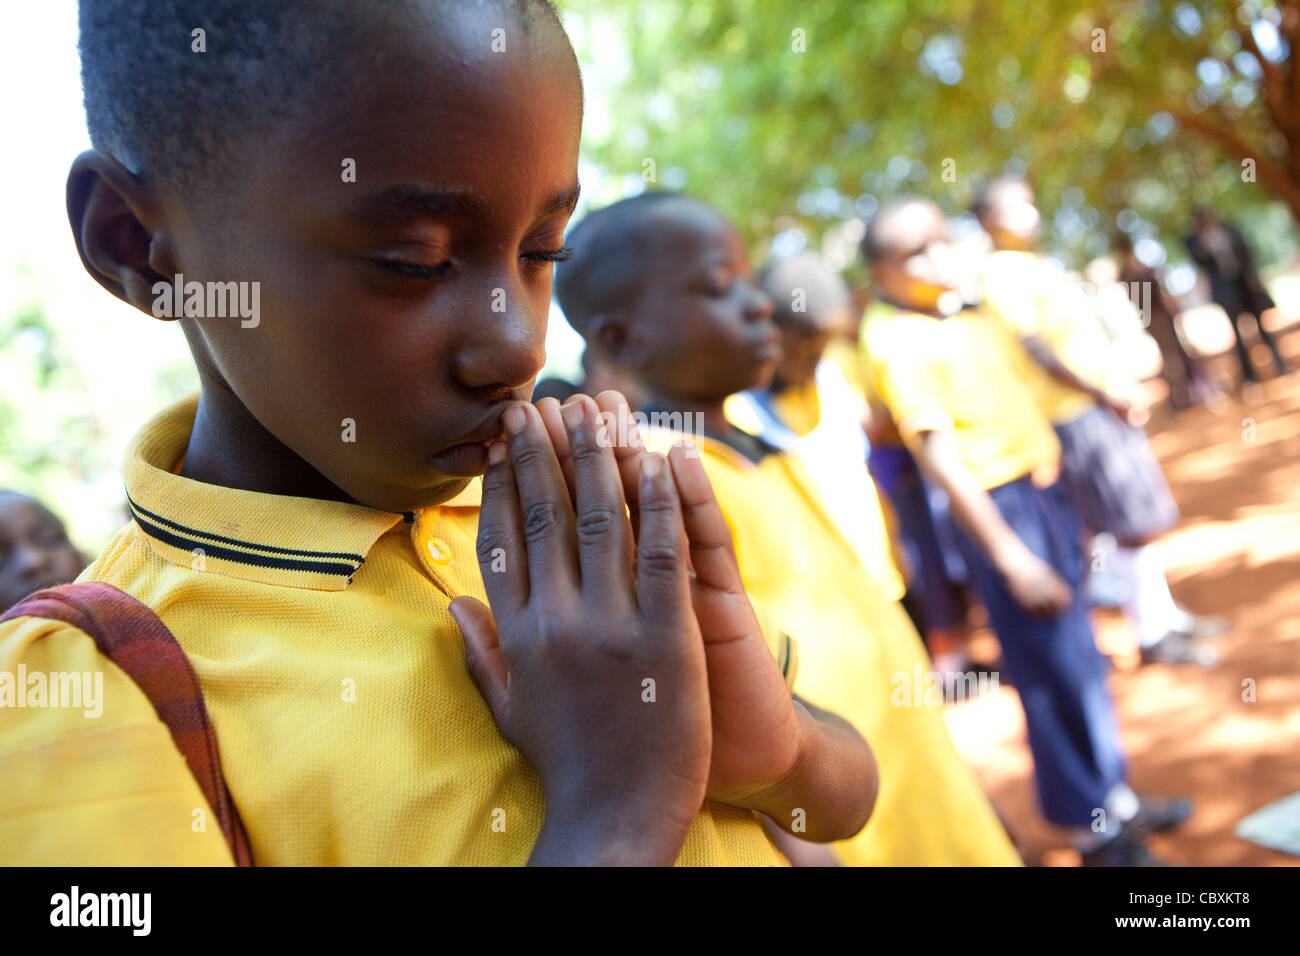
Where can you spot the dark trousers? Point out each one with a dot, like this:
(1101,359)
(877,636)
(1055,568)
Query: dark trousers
(1053,662)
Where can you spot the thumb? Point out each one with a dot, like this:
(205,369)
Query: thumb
(483,657)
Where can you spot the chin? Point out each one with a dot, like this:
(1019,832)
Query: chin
(761,378)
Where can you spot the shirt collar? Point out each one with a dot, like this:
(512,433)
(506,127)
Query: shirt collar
(273,539)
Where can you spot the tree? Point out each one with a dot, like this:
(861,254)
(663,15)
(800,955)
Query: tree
(798,117)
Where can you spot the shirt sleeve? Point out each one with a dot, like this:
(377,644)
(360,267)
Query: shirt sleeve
(91,776)
(907,378)
(1012,294)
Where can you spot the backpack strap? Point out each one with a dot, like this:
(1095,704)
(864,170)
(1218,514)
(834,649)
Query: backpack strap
(132,637)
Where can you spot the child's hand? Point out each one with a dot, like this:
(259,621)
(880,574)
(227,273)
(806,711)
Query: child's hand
(757,733)
(566,656)
(1036,586)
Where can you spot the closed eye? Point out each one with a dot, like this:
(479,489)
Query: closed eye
(411,270)
(563,254)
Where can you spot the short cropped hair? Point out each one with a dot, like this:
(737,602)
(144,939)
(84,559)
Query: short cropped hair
(607,264)
(166,110)
(986,194)
(824,290)
(874,246)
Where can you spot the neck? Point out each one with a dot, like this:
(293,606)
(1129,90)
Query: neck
(711,414)
(230,448)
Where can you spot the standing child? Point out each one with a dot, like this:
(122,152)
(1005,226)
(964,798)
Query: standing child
(955,383)
(1108,468)
(811,411)
(664,283)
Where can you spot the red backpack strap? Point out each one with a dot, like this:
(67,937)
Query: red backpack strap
(132,637)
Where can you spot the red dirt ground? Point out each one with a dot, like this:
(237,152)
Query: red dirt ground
(1187,729)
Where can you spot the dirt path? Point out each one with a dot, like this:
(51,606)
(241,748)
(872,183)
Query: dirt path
(1188,730)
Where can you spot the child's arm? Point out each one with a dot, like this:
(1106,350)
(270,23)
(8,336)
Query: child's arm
(1032,582)
(829,791)
(770,753)
(1060,372)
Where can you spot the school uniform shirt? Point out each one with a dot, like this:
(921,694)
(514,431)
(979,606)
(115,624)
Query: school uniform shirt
(859,656)
(350,731)
(819,423)
(1031,298)
(965,375)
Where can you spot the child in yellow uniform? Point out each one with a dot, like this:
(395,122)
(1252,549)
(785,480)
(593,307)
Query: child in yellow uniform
(956,383)
(811,411)
(312,528)
(1108,468)
(690,321)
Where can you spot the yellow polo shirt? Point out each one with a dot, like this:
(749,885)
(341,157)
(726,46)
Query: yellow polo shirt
(349,728)
(860,657)
(1032,299)
(832,453)
(968,376)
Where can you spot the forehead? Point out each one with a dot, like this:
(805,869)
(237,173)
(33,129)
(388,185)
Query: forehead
(475,98)
(1012,194)
(914,226)
(688,231)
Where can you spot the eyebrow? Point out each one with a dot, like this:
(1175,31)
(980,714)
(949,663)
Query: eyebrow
(400,205)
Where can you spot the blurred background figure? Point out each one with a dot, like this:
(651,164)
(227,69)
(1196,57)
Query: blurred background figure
(35,552)
(812,411)
(600,372)
(1221,251)
(1107,466)
(1189,383)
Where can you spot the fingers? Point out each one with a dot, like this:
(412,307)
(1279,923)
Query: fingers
(605,546)
(661,587)
(626,439)
(546,518)
(549,409)
(501,557)
(712,552)
(487,665)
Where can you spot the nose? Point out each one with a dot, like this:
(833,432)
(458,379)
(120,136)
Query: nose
(30,561)
(758,306)
(503,342)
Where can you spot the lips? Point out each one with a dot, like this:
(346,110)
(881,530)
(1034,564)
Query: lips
(463,461)
(469,457)
(765,350)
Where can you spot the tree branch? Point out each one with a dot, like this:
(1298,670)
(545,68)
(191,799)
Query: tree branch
(1275,174)
(1276,100)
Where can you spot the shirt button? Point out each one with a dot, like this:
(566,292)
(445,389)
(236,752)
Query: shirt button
(439,552)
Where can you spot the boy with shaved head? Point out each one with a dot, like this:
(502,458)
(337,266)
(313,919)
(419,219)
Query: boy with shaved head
(398,662)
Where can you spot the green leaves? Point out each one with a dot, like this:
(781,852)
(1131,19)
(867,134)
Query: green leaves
(1103,98)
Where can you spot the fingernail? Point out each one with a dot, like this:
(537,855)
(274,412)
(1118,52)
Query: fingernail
(651,465)
(496,453)
(514,419)
(571,412)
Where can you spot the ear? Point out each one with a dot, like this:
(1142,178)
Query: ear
(116,224)
(617,336)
